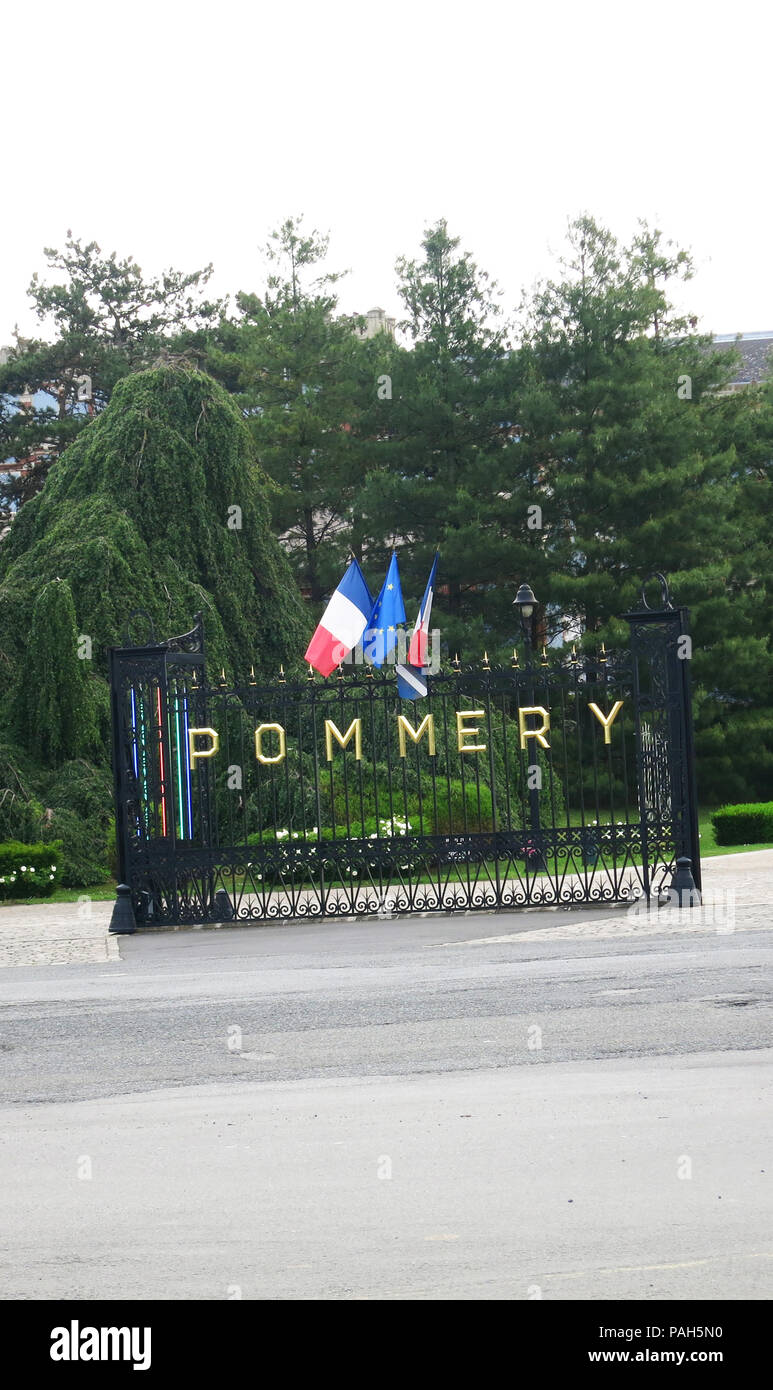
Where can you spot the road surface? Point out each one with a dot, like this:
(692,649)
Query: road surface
(483,1107)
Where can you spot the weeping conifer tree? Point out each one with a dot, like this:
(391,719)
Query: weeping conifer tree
(159,505)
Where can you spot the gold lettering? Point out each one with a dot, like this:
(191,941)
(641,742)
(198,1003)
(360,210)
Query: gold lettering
(607,720)
(332,732)
(264,729)
(539,734)
(403,728)
(462,733)
(196,753)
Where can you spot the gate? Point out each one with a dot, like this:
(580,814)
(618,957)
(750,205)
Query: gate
(568,780)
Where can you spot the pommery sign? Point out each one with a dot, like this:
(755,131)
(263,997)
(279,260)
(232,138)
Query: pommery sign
(271,738)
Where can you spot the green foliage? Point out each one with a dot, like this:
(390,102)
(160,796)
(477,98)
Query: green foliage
(29,870)
(609,417)
(744,824)
(81,787)
(633,476)
(69,808)
(110,320)
(85,848)
(370,828)
(461,806)
(78,801)
(136,515)
(21,810)
(445,470)
(53,704)
(303,377)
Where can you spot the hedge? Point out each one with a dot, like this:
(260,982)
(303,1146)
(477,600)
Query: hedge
(29,871)
(749,823)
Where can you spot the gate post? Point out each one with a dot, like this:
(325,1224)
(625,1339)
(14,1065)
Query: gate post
(145,848)
(122,921)
(665,749)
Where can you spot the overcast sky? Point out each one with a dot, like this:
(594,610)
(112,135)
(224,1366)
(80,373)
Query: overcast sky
(183,133)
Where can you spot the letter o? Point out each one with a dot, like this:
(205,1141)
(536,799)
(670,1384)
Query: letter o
(269,728)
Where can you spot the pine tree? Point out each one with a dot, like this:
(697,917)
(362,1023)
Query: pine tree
(447,471)
(302,372)
(621,419)
(634,442)
(110,319)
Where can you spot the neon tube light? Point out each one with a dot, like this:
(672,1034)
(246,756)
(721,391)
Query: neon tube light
(186,755)
(161,760)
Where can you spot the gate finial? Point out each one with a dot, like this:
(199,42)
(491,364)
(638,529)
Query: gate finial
(665,595)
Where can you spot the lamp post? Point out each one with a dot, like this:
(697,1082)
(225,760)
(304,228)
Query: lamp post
(526,603)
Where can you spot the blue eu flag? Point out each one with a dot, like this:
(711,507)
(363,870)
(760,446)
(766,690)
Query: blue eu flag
(388,611)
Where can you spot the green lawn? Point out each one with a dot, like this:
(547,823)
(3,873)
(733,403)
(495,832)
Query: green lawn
(100,892)
(709,846)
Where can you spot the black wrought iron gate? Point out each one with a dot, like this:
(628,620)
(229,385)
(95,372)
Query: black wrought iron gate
(562,781)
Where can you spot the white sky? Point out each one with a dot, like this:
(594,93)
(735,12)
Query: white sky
(183,133)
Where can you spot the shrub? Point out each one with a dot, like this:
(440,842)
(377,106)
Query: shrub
(20,808)
(460,806)
(748,823)
(29,871)
(369,829)
(78,813)
(84,848)
(81,787)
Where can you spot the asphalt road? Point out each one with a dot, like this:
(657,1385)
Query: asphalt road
(391,1110)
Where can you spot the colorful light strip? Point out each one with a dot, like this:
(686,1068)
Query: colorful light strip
(134,734)
(186,755)
(161,759)
(144,765)
(179,745)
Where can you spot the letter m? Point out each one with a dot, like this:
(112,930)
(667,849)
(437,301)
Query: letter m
(427,726)
(331,732)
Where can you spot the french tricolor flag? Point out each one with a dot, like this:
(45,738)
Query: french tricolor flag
(342,623)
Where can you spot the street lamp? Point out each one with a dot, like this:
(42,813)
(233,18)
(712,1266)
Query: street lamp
(525,602)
